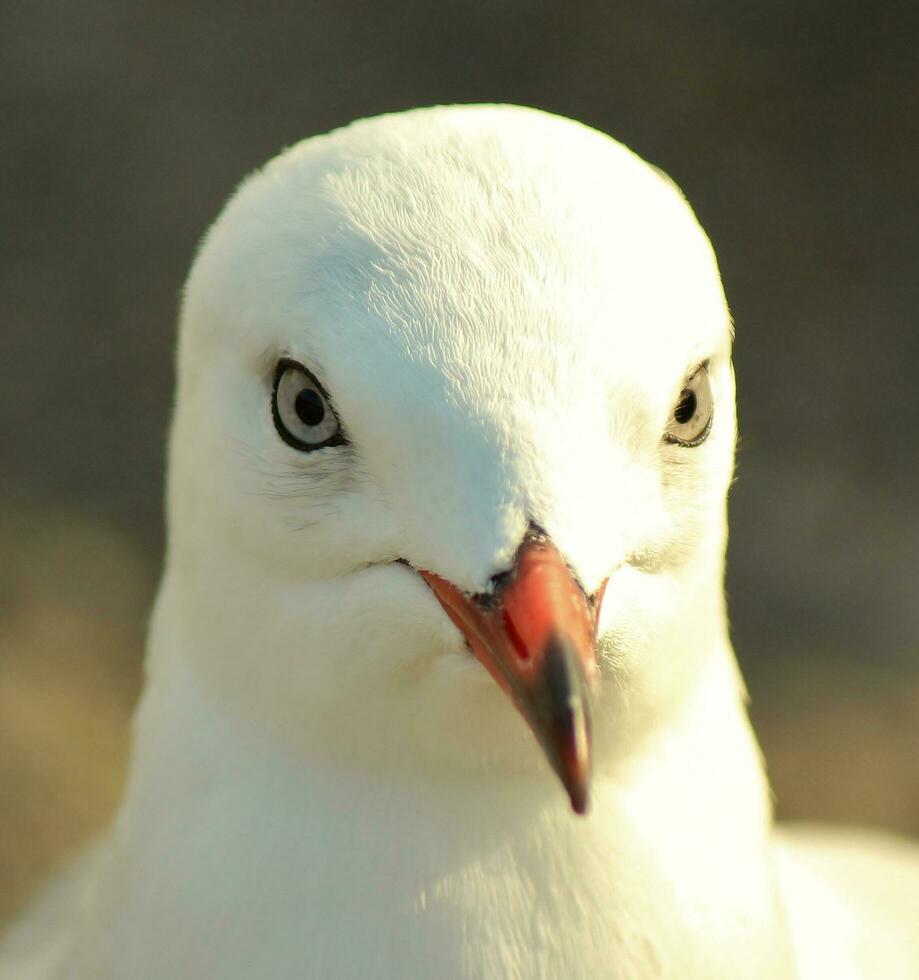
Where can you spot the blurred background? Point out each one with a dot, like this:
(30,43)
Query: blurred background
(792,128)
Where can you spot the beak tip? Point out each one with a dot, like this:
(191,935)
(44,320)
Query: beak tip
(575,777)
(580,799)
(566,728)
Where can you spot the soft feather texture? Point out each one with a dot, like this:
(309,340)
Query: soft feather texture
(503,306)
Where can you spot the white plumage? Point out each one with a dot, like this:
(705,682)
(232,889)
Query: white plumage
(503,307)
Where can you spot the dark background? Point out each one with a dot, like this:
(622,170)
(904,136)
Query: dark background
(793,129)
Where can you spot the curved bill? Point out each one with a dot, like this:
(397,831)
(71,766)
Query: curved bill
(536,635)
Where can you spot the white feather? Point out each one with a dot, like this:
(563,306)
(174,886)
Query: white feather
(503,306)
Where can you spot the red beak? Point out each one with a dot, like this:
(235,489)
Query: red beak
(536,635)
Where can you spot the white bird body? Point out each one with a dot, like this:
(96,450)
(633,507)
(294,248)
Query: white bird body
(503,306)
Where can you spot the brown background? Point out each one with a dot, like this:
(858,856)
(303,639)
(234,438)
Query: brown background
(792,127)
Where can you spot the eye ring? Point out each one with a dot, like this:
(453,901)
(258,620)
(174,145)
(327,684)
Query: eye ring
(302,410)
(691,419)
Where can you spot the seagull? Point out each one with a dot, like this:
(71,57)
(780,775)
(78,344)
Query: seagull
(439,680)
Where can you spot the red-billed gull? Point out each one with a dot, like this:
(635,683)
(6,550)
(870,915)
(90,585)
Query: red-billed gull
(453,435)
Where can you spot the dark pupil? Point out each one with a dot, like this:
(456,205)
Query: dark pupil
(309,407)
(686,407)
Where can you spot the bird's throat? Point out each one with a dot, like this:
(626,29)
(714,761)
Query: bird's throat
(439,873)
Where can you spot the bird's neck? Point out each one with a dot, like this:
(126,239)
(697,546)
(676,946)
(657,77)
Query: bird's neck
(339,872)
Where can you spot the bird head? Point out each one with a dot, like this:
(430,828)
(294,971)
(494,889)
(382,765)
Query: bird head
(453,435)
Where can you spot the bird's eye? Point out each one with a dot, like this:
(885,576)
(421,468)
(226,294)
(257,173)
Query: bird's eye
(303,415)
(691,420)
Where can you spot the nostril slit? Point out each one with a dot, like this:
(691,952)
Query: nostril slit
(535,532)
(515,638)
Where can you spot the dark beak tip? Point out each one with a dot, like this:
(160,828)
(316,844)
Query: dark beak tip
(575,775)
(562,721)
(580,798)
